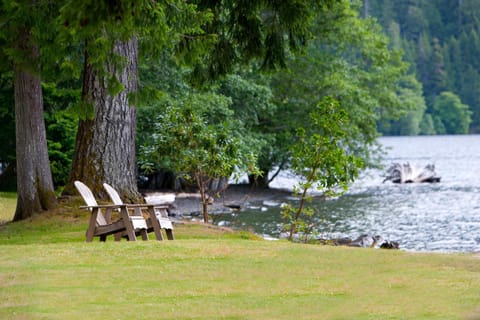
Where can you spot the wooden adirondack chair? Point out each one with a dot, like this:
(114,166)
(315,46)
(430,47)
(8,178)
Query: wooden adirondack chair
(100,224)
(157,214)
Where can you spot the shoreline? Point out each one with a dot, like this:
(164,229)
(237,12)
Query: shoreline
(236,195)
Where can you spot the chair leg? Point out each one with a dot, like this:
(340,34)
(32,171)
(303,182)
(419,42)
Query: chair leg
(144,234)
(128,224)
(103,238)
(155,224)
(92,225)
(170,234)
(157,230)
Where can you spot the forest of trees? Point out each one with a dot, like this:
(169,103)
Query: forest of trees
(440,41)
(110,91)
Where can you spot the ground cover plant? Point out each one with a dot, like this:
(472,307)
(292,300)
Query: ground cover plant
(47,271)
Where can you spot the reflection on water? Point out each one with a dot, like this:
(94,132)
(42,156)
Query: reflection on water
(423,217)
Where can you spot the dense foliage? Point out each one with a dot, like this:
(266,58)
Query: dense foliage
(249,73)
(200,141)
(441,42)
(7,119)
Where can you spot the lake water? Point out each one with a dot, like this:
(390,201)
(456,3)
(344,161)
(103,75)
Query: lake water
(442,216)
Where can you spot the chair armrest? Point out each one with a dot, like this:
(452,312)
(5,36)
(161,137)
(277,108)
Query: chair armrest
(138,205)
(105,206)
(147,205)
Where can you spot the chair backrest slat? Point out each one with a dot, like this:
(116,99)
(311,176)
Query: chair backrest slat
(114,196)
(86,194)
(89,199)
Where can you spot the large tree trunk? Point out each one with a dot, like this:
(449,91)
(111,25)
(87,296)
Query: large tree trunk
(34,179)
(105,145)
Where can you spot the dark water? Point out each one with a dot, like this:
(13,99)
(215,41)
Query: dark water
(443,216)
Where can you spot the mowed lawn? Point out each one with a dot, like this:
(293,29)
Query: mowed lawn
(47,271)
(8,201)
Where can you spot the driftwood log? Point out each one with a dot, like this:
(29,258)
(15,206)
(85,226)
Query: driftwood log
(407,173)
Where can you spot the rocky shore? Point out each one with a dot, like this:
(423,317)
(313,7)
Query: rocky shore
(188,206)
(235,196)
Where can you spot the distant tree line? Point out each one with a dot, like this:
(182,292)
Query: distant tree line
(440,41)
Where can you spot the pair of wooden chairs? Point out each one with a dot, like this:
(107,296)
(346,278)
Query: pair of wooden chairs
(128,225)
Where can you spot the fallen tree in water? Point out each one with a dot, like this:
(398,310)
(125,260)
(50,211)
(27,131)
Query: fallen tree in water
(407,173)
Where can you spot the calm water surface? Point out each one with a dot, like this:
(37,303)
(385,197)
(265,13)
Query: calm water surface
(443,216)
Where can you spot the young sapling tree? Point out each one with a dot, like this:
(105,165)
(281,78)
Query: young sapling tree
(198,140)
(319,157)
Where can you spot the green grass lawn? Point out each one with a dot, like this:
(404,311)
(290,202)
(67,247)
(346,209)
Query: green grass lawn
(47,271)
(8,202)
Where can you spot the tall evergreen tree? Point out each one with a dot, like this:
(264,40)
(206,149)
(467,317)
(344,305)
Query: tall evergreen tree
(469,93)
(415,23)
(244,30)
(438,75)
(23,23)
(424,53)
(7,134)
(105,150)
(450,29)
(105,145)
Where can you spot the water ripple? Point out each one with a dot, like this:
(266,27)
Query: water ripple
(443,216)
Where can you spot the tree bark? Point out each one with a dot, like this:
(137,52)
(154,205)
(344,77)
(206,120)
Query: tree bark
(105,145)
(260,182)
(34,178)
